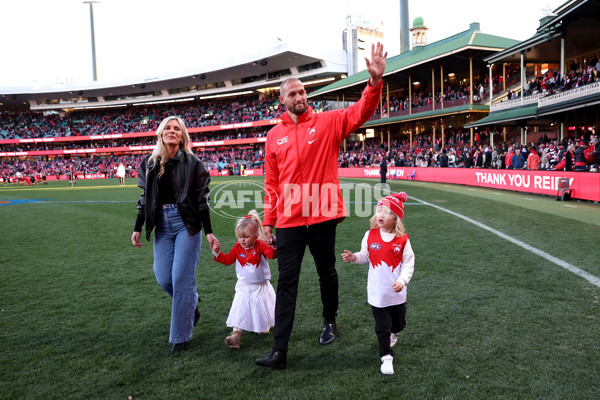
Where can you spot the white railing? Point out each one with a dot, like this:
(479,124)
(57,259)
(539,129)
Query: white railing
(515,103)
(545,101)
(582,91)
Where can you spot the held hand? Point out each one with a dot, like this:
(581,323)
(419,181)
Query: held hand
(376,66)
(268,231)
(212,241)
(216,248)
(135,239)
(397,286)
(348,256)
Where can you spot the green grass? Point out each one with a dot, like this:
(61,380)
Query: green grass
(83,318)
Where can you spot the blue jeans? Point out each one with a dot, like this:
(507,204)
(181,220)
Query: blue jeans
(176,255)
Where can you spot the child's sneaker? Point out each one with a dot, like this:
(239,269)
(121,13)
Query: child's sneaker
(234,339)
(387,364)
(393,339)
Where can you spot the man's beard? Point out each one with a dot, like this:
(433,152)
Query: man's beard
(298,109)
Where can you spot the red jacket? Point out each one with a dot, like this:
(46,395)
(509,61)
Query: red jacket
(301,178)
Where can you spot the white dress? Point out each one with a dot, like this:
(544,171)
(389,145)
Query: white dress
(253,306)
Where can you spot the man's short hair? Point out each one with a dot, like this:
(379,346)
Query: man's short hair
(285,83)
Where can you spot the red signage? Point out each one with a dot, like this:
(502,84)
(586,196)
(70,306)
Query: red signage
(128,149)
(585,185)
(212,128)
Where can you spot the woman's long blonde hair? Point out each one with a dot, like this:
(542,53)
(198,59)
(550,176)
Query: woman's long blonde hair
(159,154)
(399,227)
(250,225)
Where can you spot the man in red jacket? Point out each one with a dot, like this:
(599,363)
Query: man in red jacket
(303,197)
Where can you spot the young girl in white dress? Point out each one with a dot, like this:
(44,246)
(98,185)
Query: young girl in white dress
(387,250)
(253,307)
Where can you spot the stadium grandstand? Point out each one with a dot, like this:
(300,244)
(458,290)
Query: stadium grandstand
(228,111)
(455,96)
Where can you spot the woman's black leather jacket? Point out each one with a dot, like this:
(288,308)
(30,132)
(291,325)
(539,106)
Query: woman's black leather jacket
(190,181)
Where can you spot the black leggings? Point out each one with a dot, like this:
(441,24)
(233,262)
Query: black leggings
(387,320)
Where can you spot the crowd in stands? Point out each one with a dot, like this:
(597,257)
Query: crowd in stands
(457,90)
(143,141)
(138,118)
(571,154)
(213,158)
(39,170)
(552,82)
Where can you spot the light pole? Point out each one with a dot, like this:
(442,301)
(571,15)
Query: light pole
(91,3)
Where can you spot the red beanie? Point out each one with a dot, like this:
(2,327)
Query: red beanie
(395,202)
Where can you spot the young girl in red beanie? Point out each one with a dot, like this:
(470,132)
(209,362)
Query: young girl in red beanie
(387,250)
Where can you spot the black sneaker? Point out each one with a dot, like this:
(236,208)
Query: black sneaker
(328,334)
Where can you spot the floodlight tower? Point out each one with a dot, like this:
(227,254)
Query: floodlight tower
(91,3)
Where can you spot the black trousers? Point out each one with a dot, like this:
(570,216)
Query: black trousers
(291,245)
(387,320)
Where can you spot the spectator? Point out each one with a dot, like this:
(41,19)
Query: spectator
(508,159)
(533,160)
(452,158)
(566,164)
(444,159)
(487,159)
(518,162)
(383,169)
(580,161)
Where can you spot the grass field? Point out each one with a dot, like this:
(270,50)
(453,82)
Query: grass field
(499,306)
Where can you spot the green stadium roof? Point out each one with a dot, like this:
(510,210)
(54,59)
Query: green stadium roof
(503,117)
(440,112)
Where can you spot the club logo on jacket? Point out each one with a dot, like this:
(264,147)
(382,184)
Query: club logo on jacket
(282,140)
(397,248)
(311,135)
(375,246)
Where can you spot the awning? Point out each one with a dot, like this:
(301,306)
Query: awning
(506,117)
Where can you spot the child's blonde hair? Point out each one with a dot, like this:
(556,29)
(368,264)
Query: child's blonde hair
(251,225)
(398,228)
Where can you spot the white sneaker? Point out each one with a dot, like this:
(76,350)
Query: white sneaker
(393,339)
(387,364)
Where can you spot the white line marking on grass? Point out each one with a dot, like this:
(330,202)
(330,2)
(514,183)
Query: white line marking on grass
(569,267)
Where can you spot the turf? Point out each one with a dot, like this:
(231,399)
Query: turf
(82,316)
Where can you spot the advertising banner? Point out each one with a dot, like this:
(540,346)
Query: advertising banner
(584,185)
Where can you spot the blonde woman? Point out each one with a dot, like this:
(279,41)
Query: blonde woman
(174,202)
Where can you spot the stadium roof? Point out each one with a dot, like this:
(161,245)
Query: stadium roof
(260,70)
(442,112)
(453,53)
(544,46)
(507,117)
